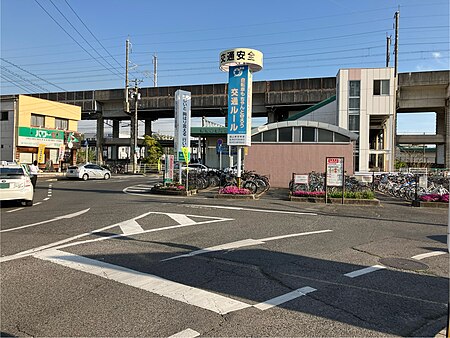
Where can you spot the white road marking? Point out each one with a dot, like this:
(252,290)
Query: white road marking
(428,254)
(364,271)
(228,246)
(295,235)
(379,267)
(75,214)
(188,333)
(163,287)
(46,199)
(181,219)
(62,243)
(160,286)
(243,243)
(130,227)
(284,298)
(37,203)
(14,210)
(250,209)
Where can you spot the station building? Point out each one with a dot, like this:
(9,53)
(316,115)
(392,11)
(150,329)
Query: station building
(358,124)
(36,129)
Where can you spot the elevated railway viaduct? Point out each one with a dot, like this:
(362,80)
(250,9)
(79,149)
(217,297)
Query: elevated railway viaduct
(417,92)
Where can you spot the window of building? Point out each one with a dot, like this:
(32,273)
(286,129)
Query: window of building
(353,122)
(4,116)
(270,136)
(297,134)
(37,120)
(256,138)
(325,135)
(340,138)
(380,87)
(308,134)
(285,134)
(354,88)
(62,124)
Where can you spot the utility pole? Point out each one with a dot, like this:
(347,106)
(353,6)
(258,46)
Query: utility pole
(397,15)
(135,127)
(127,51)
(155,70)
(388,50)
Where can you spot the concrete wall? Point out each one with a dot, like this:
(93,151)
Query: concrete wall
(7,132)
(279,161)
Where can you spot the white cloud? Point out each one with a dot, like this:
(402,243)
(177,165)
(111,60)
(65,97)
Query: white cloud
(436,55)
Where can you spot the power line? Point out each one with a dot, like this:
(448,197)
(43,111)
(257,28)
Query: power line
(65,31)
(98,41)
(23,79)
(81,35)
(26,71)
(10,79)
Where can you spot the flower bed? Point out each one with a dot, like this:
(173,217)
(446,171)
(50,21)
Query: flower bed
(233,190)
(431,201)
(302,193)
(172,189)
(434,198)
(365,195)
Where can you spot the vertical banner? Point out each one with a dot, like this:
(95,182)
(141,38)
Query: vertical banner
(239,106)
(62,150)
(182,135)
(41,155)
(168,169)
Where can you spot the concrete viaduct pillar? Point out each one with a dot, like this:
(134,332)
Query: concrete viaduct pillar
(447,132)
(148,127)
(100,138)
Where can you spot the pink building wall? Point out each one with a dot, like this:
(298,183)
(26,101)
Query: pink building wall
(281,160)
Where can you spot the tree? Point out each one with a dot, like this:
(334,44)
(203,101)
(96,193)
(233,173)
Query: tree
(154,150)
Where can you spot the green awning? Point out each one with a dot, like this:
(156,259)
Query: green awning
(208,131)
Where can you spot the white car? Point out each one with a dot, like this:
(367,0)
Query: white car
(88,171)
(197,167)
(15,183)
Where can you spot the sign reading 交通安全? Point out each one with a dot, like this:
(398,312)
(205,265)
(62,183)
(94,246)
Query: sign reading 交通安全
(335,171)
(239,106)
(182,135)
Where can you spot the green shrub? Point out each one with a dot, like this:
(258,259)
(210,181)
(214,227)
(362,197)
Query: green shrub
(367,195)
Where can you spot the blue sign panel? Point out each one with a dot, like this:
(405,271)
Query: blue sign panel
(239,106)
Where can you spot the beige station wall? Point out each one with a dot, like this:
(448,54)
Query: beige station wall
(279,161)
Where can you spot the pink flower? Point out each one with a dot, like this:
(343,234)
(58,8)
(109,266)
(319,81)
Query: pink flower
(302,193)
(233,190)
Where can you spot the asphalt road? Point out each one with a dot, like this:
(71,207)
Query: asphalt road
(106,258)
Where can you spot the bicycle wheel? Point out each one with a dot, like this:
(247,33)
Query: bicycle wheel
(252,186)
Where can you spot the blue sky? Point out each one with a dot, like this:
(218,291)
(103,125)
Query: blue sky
(55,45)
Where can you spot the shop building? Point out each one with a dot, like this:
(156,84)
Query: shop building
(36,129)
